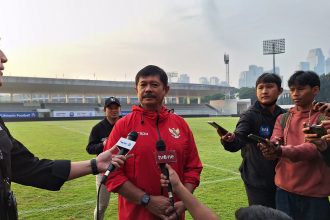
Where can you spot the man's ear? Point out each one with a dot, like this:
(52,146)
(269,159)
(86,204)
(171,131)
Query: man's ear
(166,88)
(281,90)
(315,90)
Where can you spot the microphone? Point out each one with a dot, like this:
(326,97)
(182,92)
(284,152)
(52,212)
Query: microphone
(124,145)
(161,147)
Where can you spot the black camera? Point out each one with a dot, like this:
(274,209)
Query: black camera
(317,129)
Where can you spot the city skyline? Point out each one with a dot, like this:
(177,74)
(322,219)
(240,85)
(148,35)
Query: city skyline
(111,40)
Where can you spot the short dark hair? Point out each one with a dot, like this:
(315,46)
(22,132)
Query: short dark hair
(304,78)
(152,70)
(269,78)
(259,212)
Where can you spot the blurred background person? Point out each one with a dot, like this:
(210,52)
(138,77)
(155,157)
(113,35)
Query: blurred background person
(97,139)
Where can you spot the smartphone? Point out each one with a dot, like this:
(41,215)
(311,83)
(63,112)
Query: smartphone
(317,129)
(258,138)
(222,130)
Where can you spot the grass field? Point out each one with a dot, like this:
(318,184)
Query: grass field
(221,188)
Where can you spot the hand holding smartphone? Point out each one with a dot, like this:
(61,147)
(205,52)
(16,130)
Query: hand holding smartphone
(316,129)
(222,131)
(258,139)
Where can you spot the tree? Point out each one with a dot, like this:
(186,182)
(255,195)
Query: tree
(217,96)
(324,94)
(247,93)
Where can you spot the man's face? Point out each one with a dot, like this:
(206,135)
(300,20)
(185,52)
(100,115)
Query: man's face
(267,93)
(112,111)
(303,96)
(151,92)
(3,59)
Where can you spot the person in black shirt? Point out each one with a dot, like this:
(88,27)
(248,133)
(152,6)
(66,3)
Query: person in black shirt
(97,140)
(256,171)
(19,165)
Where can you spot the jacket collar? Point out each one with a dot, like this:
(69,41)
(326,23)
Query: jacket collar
(163,114)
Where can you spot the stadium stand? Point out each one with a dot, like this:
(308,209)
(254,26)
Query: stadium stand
(193,109)
(18,107)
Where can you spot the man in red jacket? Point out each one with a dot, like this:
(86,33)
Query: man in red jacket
(141,196)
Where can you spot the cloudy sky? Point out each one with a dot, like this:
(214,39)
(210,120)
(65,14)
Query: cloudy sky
(112,40)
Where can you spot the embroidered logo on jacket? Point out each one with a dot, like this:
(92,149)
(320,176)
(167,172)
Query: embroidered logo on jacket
(142,133)
(175,132)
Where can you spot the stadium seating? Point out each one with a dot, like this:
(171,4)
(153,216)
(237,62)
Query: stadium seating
(180,109)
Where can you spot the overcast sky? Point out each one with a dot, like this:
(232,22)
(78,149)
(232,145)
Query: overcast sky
(112,40)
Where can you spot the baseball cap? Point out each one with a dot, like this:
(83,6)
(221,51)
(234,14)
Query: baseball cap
(111,100)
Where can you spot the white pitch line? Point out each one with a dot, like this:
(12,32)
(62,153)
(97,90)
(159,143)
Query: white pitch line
(72,130)
(223,169)
(55,207)
(219,181)
(32,211)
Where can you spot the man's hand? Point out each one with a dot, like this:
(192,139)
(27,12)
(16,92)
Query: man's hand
(229,137)
(104,159)
(269,150)
(158,206)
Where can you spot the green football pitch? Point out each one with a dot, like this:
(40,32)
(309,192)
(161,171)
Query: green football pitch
(221,188)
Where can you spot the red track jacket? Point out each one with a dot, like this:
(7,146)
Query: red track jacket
(142,169)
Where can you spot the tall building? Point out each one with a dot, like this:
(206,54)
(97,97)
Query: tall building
(248,78)
(242,80)
(203,80)
(327,65)
(277,70)
(214,80)
(183,78)
(315,58)
(303,66)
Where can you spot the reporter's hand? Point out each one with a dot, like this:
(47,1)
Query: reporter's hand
(269,150)
(322,107)
(173,179)
(104,141)
(326,125)
(175,212)
(229,137)
(104,159)
(158,206)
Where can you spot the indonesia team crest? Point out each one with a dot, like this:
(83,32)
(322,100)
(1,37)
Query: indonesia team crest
(175,132)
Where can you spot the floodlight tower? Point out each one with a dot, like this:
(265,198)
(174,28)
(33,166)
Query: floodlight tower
(226,59)
(274,47)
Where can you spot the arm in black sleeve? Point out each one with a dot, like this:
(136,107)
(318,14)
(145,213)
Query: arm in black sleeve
(243,129)
(95,143)
(29,170)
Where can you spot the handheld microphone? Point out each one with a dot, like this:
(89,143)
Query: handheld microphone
(161,147)
(124,145)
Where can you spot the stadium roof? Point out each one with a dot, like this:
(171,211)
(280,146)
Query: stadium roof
(30,85)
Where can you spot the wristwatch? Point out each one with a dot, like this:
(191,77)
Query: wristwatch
(94,167)
(145,199)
